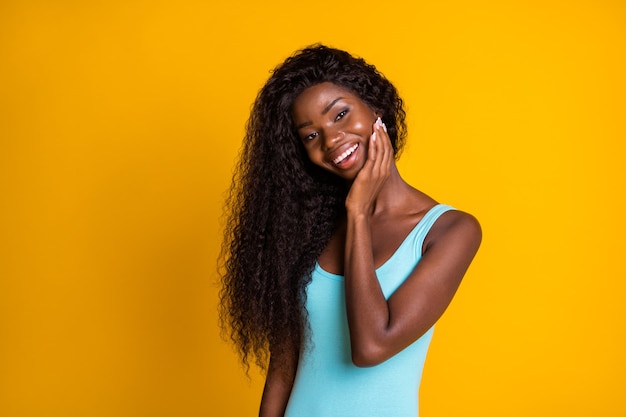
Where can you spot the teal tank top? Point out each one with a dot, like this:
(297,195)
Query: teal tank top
(327,383)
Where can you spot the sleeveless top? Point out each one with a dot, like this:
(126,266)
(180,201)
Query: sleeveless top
(327,383)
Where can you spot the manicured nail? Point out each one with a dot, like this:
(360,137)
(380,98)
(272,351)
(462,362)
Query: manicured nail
(374,137)
(385,128)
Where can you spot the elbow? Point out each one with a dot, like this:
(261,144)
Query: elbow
(366,357)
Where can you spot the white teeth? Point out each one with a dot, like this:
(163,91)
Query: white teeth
(346,154)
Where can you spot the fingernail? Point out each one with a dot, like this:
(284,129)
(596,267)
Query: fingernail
(385,128)
(374,137)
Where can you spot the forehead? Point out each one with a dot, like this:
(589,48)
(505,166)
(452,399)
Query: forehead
(322,94)
(317,97)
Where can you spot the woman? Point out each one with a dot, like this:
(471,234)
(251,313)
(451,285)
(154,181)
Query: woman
(335,269)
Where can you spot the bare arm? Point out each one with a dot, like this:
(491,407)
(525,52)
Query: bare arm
(380,328)
(278,384)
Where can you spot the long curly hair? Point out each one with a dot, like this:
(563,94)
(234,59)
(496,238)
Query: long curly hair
(282,210)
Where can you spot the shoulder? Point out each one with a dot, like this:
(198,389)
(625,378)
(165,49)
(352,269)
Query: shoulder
(452,227)
(455,228)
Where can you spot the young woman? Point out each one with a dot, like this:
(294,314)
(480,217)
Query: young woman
(335,269)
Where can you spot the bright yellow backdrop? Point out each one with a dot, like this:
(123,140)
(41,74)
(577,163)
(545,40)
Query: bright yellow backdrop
(119,125)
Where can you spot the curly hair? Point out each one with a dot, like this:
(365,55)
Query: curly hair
(281,209)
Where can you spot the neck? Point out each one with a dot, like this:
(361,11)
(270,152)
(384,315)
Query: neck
(394,194)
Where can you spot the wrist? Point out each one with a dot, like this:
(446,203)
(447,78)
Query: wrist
(358,217)
(357,208)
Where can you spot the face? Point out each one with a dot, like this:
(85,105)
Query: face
(335,126)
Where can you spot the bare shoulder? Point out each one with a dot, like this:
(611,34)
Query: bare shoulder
(456,228)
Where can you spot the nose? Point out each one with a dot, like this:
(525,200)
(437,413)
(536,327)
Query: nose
(332,136)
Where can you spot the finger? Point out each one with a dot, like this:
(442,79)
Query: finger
(381,142)
(387,151)
(371,154)
(384,150)
(374,146)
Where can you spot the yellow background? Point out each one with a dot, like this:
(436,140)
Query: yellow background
(119,125)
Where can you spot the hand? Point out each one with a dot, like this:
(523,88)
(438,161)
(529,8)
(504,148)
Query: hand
(370,180)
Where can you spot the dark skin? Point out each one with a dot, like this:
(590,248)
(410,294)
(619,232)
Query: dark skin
(342,134)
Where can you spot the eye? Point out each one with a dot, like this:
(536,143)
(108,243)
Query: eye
(310,137)
(341,115)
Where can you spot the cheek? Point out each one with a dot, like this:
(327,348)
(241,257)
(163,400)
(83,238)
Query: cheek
(359,124)
(312,153)
(364,124)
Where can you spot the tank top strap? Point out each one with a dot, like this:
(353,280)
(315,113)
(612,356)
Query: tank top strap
(426,223)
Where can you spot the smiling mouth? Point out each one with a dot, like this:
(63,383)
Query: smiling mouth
(346,154)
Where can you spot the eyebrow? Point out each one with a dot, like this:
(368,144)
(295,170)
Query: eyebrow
(326,110)
(332,103)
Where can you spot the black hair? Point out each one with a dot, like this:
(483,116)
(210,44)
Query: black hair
(281,209)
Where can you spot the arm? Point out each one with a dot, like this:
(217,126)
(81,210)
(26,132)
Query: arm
(380,328)
(278,384)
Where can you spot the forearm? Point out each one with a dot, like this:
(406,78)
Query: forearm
(278,385)
(366,306)
(274,400)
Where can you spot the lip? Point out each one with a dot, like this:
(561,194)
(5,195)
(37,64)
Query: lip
(342,156)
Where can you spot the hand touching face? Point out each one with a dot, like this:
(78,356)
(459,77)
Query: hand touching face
(372,177)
